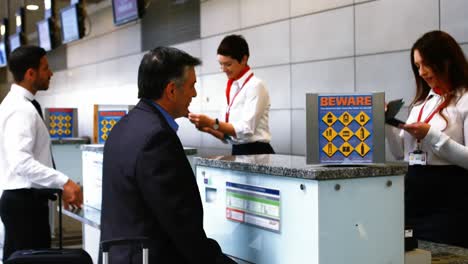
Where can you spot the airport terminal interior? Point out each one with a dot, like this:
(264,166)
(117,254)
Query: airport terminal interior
(333,192)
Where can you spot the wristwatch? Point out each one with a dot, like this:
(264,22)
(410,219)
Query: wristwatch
(216,124)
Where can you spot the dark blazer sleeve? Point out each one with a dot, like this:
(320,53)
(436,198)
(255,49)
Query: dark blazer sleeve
(170,191)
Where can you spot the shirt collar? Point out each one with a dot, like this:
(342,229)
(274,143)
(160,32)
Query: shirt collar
(242,79)
(432,93)
(170,120)
(20,90)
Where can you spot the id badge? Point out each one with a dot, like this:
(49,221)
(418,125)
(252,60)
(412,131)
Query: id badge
(417,157)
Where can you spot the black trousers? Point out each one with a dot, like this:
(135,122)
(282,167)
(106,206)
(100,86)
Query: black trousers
(25,215)
(436,204)
(252,148)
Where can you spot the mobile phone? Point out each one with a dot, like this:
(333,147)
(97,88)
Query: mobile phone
(393,107)
(394,122)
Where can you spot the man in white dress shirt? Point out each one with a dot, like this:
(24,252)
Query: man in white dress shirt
(26,163)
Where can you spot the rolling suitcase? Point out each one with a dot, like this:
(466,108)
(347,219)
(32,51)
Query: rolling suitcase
(107,244)
(51,256)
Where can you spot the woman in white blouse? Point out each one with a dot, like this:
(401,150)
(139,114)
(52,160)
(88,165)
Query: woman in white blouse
(433,141)
(245,118)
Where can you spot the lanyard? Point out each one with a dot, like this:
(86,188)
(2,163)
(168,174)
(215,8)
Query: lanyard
(435,111)
(231,102)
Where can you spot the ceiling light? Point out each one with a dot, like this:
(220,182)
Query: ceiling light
(32,7)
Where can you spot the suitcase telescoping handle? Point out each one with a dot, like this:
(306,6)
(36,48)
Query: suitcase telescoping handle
(57,192)
(107,244)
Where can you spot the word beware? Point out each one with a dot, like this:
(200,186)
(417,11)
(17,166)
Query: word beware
(346,101)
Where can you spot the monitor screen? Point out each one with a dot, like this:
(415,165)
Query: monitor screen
(4,26)
(19,20)
(3,58)
(125,10)
(70,24)
(44,33)
(48,8)
(15,41)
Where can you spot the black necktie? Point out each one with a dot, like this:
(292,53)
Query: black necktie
(39,111)
(38,107)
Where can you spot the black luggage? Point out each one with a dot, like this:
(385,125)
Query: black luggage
(51,256)
(141,241)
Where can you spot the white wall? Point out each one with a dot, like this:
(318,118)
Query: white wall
(297,46)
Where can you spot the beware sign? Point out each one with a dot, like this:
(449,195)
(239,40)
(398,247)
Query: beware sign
(342,127)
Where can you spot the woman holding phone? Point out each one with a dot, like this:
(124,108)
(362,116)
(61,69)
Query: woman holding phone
(433,141)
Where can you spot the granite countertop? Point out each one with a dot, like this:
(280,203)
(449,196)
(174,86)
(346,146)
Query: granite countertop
(445,254)
(93,147)
(74,141)
(190,151)
(296,167)
(100,148)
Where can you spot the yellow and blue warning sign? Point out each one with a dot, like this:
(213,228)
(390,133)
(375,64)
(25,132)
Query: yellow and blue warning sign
(345,128)
(60,122)
(106,121)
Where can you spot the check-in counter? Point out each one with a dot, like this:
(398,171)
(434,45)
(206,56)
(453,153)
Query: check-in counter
(276,209)
(67,159)
(90,214)
(67,156)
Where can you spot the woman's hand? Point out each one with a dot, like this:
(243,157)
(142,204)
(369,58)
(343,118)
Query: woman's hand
(217,134)
(200,120)
(418,130)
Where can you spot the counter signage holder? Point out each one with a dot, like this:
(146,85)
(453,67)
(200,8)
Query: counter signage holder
(345,129)
(105,118)
(62,122)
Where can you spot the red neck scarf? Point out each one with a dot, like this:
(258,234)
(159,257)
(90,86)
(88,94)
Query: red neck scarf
(230,81)
(438,91)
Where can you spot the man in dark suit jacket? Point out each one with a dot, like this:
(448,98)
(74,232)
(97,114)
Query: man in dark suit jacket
(149,188)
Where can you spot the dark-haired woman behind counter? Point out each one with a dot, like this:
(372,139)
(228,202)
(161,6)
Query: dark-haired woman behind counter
(433,141)
(246,117)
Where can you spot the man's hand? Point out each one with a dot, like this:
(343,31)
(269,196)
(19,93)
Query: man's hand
(418,130)
(72,195)
(200,120)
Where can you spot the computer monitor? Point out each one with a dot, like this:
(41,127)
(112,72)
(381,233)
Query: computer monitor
(49,7)
(20,20)
(3,54)
(127,10)
(15,41)
(71,21)
(4,28)
(45,34)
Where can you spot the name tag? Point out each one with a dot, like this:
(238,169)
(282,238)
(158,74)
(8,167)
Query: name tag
(417,157)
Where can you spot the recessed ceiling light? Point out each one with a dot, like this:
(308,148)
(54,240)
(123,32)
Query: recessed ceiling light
(32,7)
